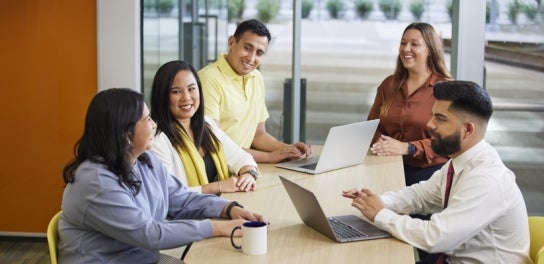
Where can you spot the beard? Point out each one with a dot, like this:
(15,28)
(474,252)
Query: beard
(445,146)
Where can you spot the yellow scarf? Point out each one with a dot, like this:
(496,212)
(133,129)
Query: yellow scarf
(194,163)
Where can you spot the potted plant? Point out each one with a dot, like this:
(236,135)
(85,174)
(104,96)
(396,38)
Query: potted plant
(235,10)
(307,6)
(417,7)
(363,8)
(390,8)
(166,6)
(530,11)
(513,11)
(267,10)
(335,7)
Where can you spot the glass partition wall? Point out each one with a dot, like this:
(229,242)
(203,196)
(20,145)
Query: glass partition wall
(514,68)
(349,47)
(346,55)
(191,30)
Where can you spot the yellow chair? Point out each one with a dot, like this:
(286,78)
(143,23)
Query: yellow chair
(536,229)
(53,237)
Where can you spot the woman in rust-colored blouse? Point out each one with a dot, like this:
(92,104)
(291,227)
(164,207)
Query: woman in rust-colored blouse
(404,103)
(404,100)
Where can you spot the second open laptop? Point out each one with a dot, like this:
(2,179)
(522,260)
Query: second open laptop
(346,228)
(345,146)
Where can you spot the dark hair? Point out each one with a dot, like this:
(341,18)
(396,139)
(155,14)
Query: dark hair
(254,26)
(435,61)
(465,96)
(160,108)
(109,125)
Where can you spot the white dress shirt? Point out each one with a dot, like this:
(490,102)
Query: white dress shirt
(486,218)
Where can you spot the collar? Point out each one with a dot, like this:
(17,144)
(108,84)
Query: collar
(432,80)
(227,70)
(466,157)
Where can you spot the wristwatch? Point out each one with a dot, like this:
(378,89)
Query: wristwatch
(253,173)
(411,149)
(229,208)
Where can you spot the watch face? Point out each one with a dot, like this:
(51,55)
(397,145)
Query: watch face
(411,149)
(253,173)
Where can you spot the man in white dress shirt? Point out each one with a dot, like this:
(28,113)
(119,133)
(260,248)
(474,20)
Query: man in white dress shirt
(481,217)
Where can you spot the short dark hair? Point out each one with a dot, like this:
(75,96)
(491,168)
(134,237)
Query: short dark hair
(109,124)
(254,26)
(465,96)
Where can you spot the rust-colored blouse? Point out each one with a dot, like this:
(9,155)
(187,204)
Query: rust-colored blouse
(407,120)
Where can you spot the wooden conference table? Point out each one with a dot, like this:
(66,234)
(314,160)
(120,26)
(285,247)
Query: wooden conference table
(289,240)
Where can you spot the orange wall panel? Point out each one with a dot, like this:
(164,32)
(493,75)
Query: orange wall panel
(48,70)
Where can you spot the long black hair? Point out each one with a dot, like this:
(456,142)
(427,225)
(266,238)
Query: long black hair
(166,122)
(109,125)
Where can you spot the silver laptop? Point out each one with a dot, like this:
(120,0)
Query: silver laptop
(345,146)
(346,228)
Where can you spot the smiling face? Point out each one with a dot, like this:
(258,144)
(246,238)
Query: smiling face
(184,97)
(142,137)
(245,54)
(413,52)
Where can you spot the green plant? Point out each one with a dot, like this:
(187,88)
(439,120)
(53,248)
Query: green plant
(449,7)
(307,6)
(166,6)
(530,11)
(235,9)
(390,8)
(363,8)
(149,4)
(267,10)
(417,7)
(513,11)
(216,4)
(335,7)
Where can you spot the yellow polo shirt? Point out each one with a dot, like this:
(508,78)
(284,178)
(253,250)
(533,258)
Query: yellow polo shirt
(239,109)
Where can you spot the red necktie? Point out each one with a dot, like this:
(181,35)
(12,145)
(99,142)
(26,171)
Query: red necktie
(449,179)
(440,259)
(448,184)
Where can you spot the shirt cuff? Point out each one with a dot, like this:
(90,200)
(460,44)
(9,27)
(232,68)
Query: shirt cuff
(197,189)
(383,218)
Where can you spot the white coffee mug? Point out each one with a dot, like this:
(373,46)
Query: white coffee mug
(254,238)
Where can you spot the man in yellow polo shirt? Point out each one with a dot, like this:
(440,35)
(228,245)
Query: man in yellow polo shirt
(234,95)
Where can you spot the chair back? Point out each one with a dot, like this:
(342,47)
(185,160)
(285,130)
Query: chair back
(53,237)
(536,229)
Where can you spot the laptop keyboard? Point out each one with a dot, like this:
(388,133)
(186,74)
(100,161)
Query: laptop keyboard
(344,231)
(309,166)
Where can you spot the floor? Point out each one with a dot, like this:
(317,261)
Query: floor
(25,251)
(343,62)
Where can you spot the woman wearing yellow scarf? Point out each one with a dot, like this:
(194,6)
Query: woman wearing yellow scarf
(190,145)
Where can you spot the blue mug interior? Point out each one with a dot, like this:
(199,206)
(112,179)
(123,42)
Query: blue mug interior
(254,224)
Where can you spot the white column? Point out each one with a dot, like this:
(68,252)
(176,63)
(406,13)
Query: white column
(468,41)
(119,56)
